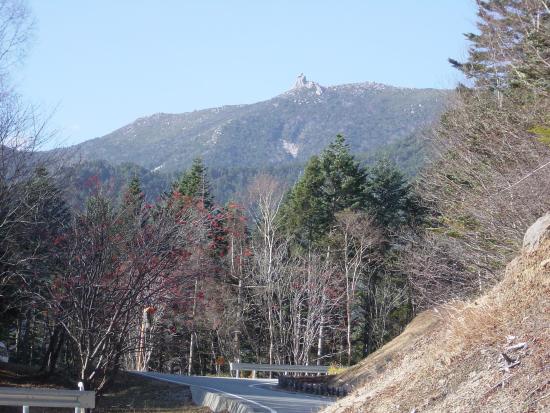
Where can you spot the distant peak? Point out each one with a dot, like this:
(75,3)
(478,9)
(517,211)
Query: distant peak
(303,83)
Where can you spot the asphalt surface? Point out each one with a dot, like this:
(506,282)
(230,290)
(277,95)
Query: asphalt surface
(260,394)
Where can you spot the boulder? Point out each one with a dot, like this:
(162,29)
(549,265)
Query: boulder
(537,233)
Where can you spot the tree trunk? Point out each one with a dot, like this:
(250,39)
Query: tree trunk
(54,348)
(348,334)
(270,340)
(368,339)
(192,337)
(320,342)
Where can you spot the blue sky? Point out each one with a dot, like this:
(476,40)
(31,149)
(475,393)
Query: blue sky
(98,65)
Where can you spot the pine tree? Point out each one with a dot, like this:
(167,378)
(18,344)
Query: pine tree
(305,213)
(50,213)
(133,196)
(390,198)
(330,183)
(194,183)
(37,237)
(393,204)
(511,45)
(343,177)
(132,204)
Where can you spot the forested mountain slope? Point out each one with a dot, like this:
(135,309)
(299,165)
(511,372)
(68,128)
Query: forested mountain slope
(83,179)
(290,127)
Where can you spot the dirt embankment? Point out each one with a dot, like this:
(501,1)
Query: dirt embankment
(491,354)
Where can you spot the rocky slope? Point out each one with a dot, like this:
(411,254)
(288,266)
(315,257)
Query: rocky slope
(485,355)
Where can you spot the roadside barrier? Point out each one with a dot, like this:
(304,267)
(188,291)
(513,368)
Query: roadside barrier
(26,397)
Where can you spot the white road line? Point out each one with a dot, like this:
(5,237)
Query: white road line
(211,388)
(262,384)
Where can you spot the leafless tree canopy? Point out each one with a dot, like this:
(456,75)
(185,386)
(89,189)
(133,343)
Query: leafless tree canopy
(490,177)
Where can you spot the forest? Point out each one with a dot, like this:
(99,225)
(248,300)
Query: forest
(323,271)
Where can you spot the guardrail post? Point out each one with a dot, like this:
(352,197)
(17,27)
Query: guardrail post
(29,397)
(77,409)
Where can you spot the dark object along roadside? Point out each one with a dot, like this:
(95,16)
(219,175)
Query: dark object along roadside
(317,385)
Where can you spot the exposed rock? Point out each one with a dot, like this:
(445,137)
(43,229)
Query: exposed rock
(537,233)
(291,148)
(303,83)
(545,265)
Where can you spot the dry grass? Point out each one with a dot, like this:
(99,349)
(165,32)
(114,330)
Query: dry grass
(449,359)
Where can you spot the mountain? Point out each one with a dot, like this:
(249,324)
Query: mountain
(288,128)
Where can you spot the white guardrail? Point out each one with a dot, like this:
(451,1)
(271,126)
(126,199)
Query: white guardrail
(281,368)
(25,397)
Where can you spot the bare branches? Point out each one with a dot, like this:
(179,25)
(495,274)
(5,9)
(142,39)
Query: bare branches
(490,178)
(113,269)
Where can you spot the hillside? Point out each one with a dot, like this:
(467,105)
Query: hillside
(287,128)
(82,179)
(485,355)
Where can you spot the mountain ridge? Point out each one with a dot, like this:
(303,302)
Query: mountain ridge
(291,126)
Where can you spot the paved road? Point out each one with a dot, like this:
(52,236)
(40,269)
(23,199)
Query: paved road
(260,394)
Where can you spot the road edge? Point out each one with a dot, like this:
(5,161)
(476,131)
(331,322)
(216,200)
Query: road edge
(216,400)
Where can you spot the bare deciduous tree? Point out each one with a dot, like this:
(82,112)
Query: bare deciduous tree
(356,235)
(113,271)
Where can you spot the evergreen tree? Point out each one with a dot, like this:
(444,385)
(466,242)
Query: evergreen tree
(48,217)
(511,45)
(393,204)
(390,198)
(194,183)
(132,203)
(133,191)
(332,182)
(38,236)
(305,213)
(343,178)
(133,196)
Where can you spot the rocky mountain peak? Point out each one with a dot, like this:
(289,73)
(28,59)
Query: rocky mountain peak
(303,83)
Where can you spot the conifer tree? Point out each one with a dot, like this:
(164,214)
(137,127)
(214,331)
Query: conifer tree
(133,196)
(194,183)
(343,177)
(46,219)
(49,216)
(330,183)
(305,213)
(511,45)
(132,203)
(390,199)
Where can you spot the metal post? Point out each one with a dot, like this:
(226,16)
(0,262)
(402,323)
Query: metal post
(25,409)
(76,409)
